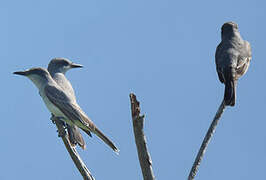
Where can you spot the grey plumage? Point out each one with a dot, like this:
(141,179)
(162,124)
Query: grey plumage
(61,104)
(57,69)
(232,59)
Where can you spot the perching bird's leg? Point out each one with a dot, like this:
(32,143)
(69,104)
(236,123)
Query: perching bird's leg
(61,132)
(53,118)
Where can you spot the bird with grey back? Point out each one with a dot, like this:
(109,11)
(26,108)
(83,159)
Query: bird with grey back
(57,69)
(232,58)
(61,104)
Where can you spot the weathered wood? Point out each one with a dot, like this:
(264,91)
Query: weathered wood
(206,141)
(140,139)
(72,151)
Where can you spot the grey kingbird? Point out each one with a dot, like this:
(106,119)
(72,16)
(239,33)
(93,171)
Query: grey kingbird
(57,69)
(232,59)
(60,104)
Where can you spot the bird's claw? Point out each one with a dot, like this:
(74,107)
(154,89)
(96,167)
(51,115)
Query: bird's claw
(61,133)
(53,119)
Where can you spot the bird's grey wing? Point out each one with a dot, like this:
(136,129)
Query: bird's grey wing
(242,66)
(248,48)
(243,59)
(56,93)
(68,107)
(218,59)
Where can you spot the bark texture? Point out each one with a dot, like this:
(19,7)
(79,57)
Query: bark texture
(72,151)
(206,141)
(140,139)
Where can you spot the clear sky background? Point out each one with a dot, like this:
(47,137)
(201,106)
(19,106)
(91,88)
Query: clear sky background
(161,50)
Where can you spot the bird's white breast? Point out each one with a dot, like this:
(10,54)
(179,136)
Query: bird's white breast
(51,107)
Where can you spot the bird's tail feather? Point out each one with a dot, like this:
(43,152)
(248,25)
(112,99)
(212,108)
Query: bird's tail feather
(87,132)
(75,136)
(230,93)
(105,139)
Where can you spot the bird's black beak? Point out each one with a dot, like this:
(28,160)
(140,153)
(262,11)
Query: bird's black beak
(73,65)
(23,73)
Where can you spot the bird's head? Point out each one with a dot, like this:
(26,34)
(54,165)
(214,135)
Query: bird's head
(37,75)
(229,28)
(61,65)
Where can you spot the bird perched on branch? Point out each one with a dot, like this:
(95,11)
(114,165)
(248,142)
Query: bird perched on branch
(232,59)
(57,68)
(61,104)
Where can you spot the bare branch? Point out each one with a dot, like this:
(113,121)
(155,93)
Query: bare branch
(206,141)
(72,152)
(140,139)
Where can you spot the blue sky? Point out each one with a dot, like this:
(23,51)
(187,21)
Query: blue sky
(163,51)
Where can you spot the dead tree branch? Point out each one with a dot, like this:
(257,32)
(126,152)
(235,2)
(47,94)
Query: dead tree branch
(206,141)
(72,151)
(140,139)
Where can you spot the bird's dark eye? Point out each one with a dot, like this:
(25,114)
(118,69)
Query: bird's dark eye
(64,63)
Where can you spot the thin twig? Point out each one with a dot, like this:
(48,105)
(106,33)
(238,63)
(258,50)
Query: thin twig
(206,141)
(72,152)
(140,139)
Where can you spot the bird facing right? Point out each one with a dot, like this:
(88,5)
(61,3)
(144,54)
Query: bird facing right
(57,68)
(232,59)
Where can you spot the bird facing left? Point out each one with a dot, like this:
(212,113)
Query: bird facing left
(61,104)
